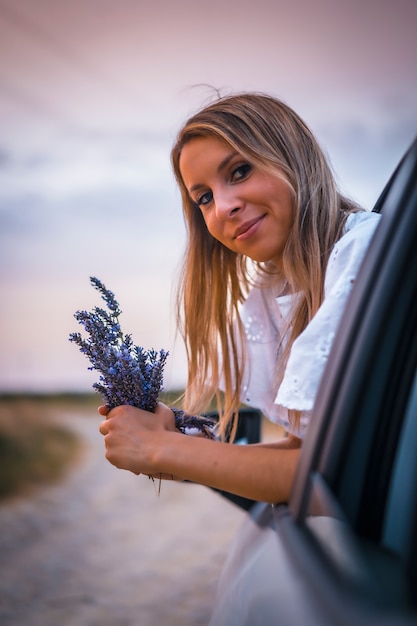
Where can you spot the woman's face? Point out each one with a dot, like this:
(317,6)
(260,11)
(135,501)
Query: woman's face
(247,210)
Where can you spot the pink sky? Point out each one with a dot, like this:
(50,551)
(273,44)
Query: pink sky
(91,95)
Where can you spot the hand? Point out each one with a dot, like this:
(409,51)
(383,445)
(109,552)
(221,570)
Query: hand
(132,436)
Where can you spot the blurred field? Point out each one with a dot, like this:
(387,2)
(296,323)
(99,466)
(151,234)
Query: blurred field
(34,447)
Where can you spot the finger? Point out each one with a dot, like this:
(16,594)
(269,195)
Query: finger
(103,410)
(104,429)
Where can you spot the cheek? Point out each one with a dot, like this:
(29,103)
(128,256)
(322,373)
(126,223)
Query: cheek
(290,217)
(202,222)
(215,230)
(211,225)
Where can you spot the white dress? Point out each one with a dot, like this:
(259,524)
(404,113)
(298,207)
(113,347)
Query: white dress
(264,320)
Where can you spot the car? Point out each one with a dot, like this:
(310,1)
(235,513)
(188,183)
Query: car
(343,550)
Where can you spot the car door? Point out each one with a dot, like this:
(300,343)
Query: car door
(344,550)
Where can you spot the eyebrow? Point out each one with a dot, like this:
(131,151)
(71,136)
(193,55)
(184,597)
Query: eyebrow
(220,168)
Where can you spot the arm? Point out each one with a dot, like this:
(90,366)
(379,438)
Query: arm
(148,443)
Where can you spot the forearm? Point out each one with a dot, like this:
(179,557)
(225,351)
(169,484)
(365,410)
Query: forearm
(147,443)
(259,472)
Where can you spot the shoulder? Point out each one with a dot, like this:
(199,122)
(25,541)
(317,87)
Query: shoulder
(349,251)
(359,226)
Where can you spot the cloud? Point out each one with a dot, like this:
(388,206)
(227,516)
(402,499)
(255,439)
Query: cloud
(60,166)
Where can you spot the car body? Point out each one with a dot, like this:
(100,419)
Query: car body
(343,551)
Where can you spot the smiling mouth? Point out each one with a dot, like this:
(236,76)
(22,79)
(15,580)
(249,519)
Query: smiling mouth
(248,228)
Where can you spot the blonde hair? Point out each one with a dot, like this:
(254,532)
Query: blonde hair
(215,280)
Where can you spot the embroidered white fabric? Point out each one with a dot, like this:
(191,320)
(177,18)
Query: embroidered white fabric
(264,319)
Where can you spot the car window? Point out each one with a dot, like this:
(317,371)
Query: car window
(384,563)
(399,527)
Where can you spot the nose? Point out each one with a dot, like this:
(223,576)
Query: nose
(227,203)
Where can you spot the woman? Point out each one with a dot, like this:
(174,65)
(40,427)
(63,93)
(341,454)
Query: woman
(273,250)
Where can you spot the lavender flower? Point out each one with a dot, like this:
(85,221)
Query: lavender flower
(128,373)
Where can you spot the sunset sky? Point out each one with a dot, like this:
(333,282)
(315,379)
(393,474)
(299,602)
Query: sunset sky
(92,93)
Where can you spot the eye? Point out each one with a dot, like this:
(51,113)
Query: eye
(241,172)
(204,199)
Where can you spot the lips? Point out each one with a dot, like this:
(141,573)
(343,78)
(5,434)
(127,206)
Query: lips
(247,227)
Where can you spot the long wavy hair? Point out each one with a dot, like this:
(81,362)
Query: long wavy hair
(215,280)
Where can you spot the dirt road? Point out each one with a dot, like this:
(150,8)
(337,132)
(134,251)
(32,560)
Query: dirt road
(102,549)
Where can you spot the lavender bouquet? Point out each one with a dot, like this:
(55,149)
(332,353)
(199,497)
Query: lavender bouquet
(128,373)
